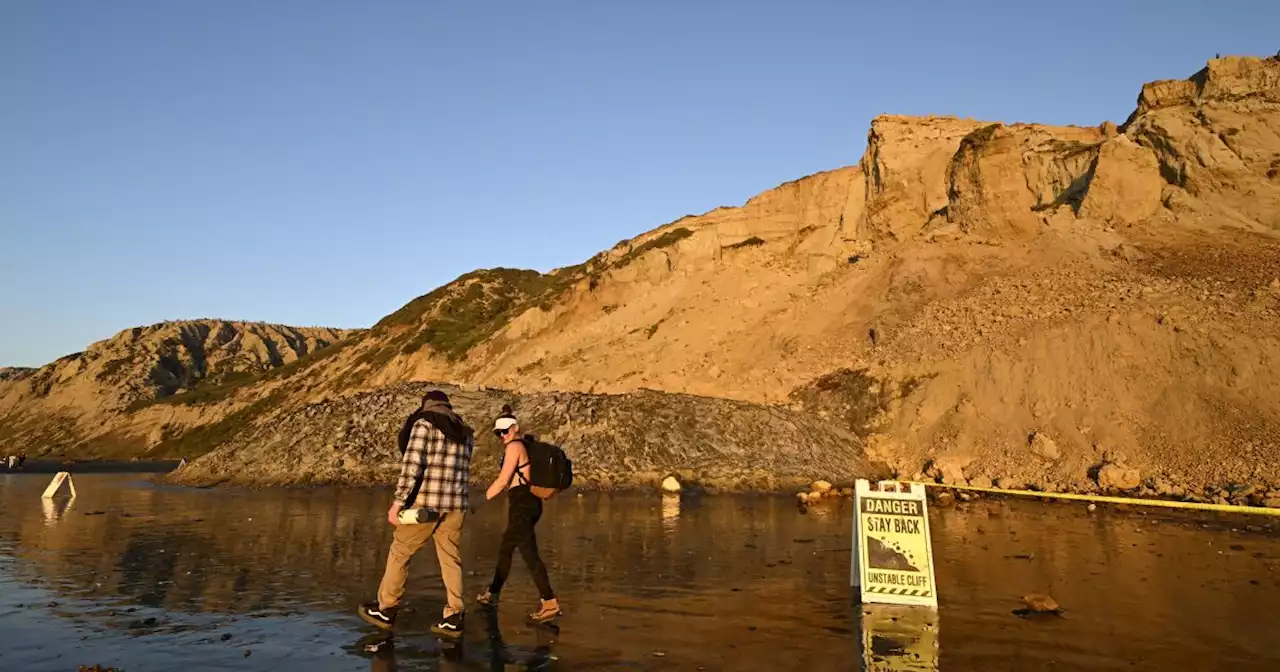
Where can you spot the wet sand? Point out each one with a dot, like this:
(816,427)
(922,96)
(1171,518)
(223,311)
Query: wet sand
(147,577)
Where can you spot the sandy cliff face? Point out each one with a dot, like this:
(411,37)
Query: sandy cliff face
(1217,137)
(993,284)
(907,162)
(1002,177)
(1038,305)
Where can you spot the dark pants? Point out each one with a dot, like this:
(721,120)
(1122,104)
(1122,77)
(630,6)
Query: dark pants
(523,511)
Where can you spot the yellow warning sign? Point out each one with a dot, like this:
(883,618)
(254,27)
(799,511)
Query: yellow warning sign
(894,559)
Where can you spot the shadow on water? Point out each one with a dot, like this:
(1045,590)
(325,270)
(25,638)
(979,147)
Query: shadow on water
(155,578)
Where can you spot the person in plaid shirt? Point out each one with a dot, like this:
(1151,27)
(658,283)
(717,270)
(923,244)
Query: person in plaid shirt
(430,502)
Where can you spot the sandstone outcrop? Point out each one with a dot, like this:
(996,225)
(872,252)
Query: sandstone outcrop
(906,163)
(1001,177)
(1124,184)
(1217,135)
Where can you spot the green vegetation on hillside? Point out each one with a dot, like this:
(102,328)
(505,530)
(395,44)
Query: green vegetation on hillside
(202,439)
(667,239)
(450,320)
(466,312)
(753,241)
(228,384)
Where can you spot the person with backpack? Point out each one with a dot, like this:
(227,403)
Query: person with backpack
(528,475)
(430,503)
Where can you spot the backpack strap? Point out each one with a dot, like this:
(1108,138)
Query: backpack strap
(517,473)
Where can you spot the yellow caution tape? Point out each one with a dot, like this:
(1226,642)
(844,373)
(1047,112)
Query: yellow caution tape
(1223,508)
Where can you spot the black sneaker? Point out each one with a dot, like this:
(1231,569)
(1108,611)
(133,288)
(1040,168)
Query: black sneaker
(383,618)
(450,627)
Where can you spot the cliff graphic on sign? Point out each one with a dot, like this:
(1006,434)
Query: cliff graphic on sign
(881,555)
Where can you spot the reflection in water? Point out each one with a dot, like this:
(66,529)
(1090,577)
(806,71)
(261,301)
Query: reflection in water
(387,652)
(898,639)
(56,509)
(670,510)
(152,577)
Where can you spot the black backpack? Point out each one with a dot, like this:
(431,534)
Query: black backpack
(550,470)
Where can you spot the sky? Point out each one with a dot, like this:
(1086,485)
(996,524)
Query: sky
(323,163)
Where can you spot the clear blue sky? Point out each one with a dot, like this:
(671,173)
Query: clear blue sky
(322,163)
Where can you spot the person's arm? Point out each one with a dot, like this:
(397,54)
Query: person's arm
(412,465)
(510,462)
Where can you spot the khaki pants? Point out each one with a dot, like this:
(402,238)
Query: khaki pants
(408,539)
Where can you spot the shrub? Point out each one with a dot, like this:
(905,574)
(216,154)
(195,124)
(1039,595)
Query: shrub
(753,241)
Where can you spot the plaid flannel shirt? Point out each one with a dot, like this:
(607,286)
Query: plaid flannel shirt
(434,471)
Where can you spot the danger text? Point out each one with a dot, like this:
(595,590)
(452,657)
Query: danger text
(898,507)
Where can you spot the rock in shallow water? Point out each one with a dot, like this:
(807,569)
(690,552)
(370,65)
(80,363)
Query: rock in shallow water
(1039,604)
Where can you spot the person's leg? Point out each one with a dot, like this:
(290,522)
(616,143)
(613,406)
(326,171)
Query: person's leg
(529,551)
(518,527)
(446,541)
(407,540)
(549,607)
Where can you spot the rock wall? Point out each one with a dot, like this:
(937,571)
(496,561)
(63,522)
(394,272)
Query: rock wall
(1124,185)
(1217,136)
(628,440)
(906,165)
(1001,177)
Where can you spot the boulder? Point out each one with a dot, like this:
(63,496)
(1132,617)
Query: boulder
(980,482)
(670,484)
(1041,604)
(821,487)
(1044,447)
(1119,477)
(1245,490)
(949,469)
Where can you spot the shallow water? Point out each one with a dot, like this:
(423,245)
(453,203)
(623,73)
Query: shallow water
(146,577)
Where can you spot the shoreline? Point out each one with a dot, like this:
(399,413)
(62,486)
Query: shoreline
(71,466)
(1252,503)
(1250,499)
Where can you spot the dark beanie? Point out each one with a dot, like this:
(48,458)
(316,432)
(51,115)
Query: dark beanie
(436,395)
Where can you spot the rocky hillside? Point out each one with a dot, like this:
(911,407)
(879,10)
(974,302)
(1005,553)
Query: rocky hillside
(615,441)
(981,301)
(8,373)
(83,396)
